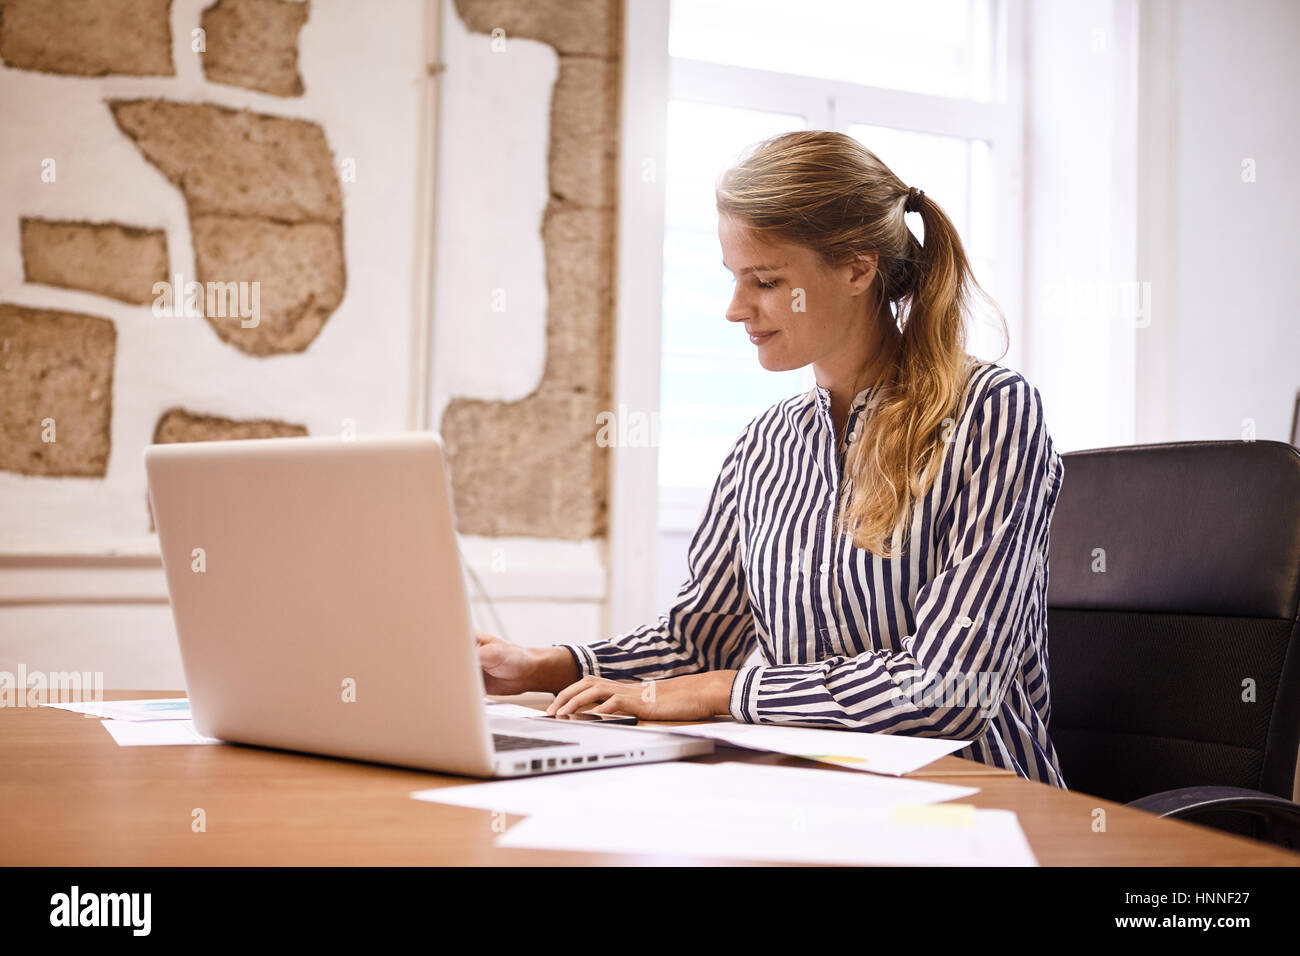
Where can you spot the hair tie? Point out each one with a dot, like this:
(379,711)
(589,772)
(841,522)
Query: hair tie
(913,203)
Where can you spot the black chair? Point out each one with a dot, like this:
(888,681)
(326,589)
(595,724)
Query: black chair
(1175,671)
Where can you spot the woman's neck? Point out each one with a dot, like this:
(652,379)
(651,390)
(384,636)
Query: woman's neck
(862,370)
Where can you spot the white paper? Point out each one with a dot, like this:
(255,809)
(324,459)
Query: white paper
(892,754)
(155,733)
(167,708)
(869,835)
(696,787)
(496,708)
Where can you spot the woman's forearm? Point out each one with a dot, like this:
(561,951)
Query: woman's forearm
(556,669)
(721,694)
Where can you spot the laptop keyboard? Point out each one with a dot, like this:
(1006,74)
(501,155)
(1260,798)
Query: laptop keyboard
(510,742)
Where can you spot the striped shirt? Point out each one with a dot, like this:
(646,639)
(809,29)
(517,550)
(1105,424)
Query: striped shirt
(949,639)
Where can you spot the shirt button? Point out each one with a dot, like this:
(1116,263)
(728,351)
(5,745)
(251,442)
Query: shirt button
(825,567)
(853,436)
(964,621)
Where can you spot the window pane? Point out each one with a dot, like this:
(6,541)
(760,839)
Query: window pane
(711,382)
(941,165)
(703,140)
(940,47)
(696,291)
(705,404)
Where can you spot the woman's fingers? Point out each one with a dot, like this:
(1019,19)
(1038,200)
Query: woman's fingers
(491,660)
(579,696)
(580,693)
(566,693)
(577,687)
(585,698)
(616,704)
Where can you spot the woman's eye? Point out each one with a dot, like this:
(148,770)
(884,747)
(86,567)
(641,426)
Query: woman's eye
(768,285)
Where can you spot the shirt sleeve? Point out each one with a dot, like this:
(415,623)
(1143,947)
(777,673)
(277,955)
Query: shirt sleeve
(951,673)
(710,625)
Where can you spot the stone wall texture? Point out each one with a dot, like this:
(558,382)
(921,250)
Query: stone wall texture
(254,44)
(179,425)
(107,258)
(236,162)
(265,207)
(88,37)
(533,467)
(59,366)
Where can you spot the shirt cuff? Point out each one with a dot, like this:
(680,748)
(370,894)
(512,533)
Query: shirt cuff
(588,666)
(744,693)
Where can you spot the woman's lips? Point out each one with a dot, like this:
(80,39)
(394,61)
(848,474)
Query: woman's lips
(761,337)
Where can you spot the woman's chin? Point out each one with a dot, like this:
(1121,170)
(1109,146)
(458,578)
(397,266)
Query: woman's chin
(773,362)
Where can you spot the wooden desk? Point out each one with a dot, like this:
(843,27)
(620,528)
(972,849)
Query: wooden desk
(70,796)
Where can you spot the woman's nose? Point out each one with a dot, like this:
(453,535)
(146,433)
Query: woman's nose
(737,310)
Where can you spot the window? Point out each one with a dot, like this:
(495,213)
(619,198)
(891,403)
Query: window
(938,47)
(709,388)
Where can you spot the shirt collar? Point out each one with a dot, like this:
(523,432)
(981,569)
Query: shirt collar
(859,400)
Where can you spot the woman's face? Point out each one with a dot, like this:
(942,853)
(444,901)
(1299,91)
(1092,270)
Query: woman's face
(796,310)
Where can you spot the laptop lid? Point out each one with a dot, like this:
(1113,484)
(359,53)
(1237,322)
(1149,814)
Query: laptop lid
(318,597)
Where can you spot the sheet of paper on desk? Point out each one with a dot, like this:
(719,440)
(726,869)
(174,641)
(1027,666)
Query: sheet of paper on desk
(946,835)
(703,788)
(155,733)
(499,708)
(892,754)
(167,708)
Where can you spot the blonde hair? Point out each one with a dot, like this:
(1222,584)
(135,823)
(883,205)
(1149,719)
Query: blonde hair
(828,192)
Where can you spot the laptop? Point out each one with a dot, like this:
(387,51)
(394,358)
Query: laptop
(320,606)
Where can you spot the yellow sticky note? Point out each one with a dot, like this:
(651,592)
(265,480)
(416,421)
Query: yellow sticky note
(941,814)
(835,758)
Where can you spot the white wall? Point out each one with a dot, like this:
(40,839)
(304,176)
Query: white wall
(1160,284)
(362,69)
(367,85)
(1080,237)
(1235,348)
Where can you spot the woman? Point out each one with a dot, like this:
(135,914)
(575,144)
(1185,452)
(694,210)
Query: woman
(882,539)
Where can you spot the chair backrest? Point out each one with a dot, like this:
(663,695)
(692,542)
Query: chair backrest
(1173,605)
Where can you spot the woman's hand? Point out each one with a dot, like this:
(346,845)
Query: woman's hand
(692,697)
(511,669)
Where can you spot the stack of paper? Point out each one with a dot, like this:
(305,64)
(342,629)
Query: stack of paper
(737,811)
(897,836)
(164,722)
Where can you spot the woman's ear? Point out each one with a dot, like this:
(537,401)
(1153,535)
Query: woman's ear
(862,272)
